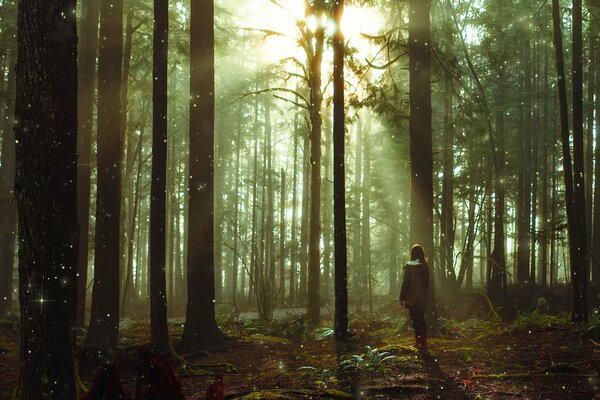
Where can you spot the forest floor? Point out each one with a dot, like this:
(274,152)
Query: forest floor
(536,357)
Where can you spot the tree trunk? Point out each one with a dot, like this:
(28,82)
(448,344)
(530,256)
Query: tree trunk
(421,155)
(88,44)
(201,328)
(46,197)
(281,288)
(314,253)
(8,207)
(545,226)
(574,184)
(103,329)
(339,184)
(497,272)
(158,206)
(294,242)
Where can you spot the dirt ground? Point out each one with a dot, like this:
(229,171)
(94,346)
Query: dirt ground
(471,360)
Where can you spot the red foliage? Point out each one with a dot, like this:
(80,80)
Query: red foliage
(215,390)
(157,380)
(106,385)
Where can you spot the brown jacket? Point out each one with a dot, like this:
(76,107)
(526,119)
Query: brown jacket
(415,284)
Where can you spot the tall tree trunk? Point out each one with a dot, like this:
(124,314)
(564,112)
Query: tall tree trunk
(574,184)
(294,242)
(282,236)
(339,184)
(497,272)
(46,197)
(545,226)
(314,243)
(200,325)
(579,264)
(158,206)
(8,207)
(421,155)
(86,65)
(304,228)
(103,329)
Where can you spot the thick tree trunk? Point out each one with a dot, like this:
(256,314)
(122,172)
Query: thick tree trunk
(421,155)
(339,184)
(8,207)
(45,188)
(158,199)
(103,329)
(88,44)
(579,260)
(201,328)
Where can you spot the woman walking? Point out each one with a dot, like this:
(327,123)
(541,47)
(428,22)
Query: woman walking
(414,293)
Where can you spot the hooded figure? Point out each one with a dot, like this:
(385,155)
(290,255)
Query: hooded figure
(414,293)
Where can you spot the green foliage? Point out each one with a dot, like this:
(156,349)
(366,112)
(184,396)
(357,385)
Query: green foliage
(540,318)
(371,361)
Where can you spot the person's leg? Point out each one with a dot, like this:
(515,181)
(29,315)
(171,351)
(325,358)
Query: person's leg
(417,315)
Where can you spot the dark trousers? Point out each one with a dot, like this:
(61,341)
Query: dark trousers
(417,315)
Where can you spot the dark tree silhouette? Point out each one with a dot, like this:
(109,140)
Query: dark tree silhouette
(201,328)
(574,186)
(103,330)
(45,188)
(339,189)
(421,155)
(158,204)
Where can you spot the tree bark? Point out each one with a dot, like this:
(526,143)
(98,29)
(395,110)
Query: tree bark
(201,328)
(339,184)
(103,329)
(421,155)
(314,253)
(158,207)
(574,184)
(45,188)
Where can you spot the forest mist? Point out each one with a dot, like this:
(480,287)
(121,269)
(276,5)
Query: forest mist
(269,160)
